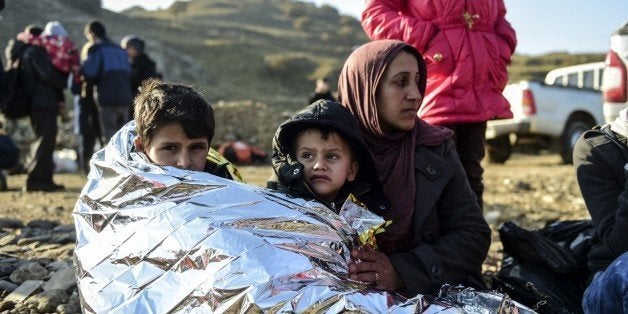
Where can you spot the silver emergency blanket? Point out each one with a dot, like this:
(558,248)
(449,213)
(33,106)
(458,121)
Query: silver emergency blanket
(154,239)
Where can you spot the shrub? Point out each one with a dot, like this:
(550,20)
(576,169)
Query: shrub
(303,23)
(88,6)
(295,9)
(178,7)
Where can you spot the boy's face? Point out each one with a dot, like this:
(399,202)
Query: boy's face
(328,163)
(171,147)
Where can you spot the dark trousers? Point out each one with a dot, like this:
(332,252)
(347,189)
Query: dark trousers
(9,153)
(89,128)
(470,139)
(41,167)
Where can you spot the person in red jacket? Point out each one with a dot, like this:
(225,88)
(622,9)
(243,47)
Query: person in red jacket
(467,46)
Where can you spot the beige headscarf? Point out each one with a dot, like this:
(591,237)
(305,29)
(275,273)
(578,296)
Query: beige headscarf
(393,154)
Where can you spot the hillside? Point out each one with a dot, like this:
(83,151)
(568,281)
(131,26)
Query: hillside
(269,51)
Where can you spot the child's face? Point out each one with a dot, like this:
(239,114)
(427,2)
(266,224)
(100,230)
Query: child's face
(327,163)
(171,147)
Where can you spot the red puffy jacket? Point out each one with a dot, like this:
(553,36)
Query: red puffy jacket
(467,45)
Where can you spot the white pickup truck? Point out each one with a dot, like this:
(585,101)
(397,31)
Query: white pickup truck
(558,110)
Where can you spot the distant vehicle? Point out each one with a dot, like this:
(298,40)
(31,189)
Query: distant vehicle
(558,110)
(616,75)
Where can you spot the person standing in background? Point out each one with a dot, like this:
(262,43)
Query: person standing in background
(467,46)
(321,91)
(86,120)
(38,74)
(142,66)
(108,69)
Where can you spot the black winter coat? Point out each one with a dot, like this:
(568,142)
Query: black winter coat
(142,67)
(328,115)
(599,165)
(450,237)
(38,74)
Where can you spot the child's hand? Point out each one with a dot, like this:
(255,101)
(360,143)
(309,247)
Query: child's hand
(369,265)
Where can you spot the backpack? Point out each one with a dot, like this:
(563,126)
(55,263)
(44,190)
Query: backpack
(545,269)
(15,96)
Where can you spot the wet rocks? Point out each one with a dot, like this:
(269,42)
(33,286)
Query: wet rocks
(36,268)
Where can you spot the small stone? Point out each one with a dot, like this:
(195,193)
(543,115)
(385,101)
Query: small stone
(58,265)
(6,269)
(8,239)
(48,301)
(64,228)
(25,290)
(11,223)
(39,238)
(29,271)
(7,305)
(63,238)
(42,224)
(7,286)
(63,279)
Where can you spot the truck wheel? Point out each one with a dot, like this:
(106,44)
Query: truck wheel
(499,149)
(572,132)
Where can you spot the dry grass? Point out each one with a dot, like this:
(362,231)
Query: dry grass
(256,175)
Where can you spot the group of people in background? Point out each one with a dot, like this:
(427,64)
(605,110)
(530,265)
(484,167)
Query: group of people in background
(411,112)
(103,77)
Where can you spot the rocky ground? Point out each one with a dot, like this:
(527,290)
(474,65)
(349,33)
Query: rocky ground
(37,235)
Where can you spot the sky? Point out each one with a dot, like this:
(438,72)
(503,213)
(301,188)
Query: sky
(542,26)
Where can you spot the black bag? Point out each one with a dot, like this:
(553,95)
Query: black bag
(15,96)
(545,269)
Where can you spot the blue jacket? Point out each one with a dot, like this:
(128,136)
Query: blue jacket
(108,68)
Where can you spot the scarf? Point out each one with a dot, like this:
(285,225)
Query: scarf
(393,154)
(620,124)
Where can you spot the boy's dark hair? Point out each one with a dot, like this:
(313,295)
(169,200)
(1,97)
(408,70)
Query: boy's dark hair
(325,131)
(97,28)
(159,104)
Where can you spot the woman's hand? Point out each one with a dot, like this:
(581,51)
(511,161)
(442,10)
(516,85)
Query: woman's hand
(369,265)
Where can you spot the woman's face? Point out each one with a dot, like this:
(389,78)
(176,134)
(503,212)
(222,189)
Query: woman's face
(398,96)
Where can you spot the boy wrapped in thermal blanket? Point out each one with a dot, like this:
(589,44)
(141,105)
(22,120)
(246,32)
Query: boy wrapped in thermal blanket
(153,239)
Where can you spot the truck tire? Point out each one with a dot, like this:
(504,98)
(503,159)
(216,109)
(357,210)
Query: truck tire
(570,136)
(498,149)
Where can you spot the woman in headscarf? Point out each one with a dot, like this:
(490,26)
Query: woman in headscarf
(438,233)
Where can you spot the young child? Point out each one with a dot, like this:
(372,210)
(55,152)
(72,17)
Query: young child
(317,154)
(175,126)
